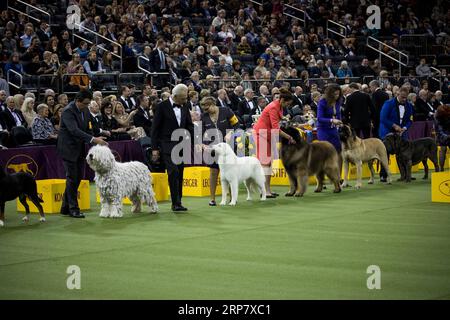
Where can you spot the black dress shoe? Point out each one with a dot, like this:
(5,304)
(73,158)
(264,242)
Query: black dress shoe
(275,194)
(65,213)
(78,215)
(383,180)
(178,208)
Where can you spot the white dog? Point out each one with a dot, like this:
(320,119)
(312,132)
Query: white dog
(117,180)
(234,170)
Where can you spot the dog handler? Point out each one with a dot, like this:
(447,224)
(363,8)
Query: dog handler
(216,119)
(267,125)
(74,132)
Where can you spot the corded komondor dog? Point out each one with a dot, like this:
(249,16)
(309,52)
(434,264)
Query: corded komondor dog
(117,180)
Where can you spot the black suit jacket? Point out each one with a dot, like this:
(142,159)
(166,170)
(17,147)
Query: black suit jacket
(128,105)
(139,35)
(9,120)
(421,110)
(358,110)
(224,104)
(155,62)
(234,99)
(140,120)
(379,97)
(95,124)
(3,123)
(244,107)
(298,101)
(73,133)
(165,122)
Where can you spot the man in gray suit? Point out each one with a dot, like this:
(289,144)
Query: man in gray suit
(74,133)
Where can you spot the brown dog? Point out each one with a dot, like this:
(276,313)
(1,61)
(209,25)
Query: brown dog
(359,151)
(302,160)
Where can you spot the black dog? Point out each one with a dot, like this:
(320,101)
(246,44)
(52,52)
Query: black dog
(20,185)
(409,153)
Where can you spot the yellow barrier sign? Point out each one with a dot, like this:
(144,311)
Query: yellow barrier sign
(196,182)
(52,191)
(440,186)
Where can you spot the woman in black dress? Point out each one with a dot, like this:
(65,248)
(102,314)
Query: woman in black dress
(218,125)
(109,123)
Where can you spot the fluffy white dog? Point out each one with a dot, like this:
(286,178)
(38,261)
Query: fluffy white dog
(117,180)
(234,170)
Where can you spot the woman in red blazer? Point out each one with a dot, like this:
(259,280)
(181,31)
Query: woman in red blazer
(268,125)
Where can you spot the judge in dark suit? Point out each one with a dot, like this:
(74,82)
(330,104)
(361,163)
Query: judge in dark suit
(171,115)
(379,97)
(74,133)
(358,111)
(142,117)
(158,63)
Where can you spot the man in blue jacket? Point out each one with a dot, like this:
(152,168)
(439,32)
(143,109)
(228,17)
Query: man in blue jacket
(396,117)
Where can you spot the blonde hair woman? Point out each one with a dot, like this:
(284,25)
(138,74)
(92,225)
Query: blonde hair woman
(28,111)
(122,117)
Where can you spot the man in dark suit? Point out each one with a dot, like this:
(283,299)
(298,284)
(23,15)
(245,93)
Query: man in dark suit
(235,97)
(96,121)
(74,133)
(222,99)
(142,117)
(358,111)
(298,99)
(169,116)
(125,98)
(139,32)
(423,110)
(246,105)
(11,116)
(379,97)
(158,63)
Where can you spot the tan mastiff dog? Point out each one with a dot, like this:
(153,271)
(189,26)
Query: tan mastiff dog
(359,151)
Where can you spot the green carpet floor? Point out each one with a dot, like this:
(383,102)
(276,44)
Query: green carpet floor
(316,247)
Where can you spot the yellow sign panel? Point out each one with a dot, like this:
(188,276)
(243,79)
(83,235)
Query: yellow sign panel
(52,191)
(440,186)
(196,182)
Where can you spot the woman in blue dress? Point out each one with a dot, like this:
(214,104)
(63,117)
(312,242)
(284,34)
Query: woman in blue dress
(329,117)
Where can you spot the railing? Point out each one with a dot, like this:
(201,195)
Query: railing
(342,29)
(294,13)
(259,3)
(418,44)
(28,7)
(97,35)
(148,72)
(8,78)
(381,45)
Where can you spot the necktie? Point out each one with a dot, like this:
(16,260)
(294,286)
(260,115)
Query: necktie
(82,116)
(163,62)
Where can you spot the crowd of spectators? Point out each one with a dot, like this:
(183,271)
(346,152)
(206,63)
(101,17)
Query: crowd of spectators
(237,51)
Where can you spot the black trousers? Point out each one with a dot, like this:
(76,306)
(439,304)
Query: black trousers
(175,173)
(363,133)
(73,178)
